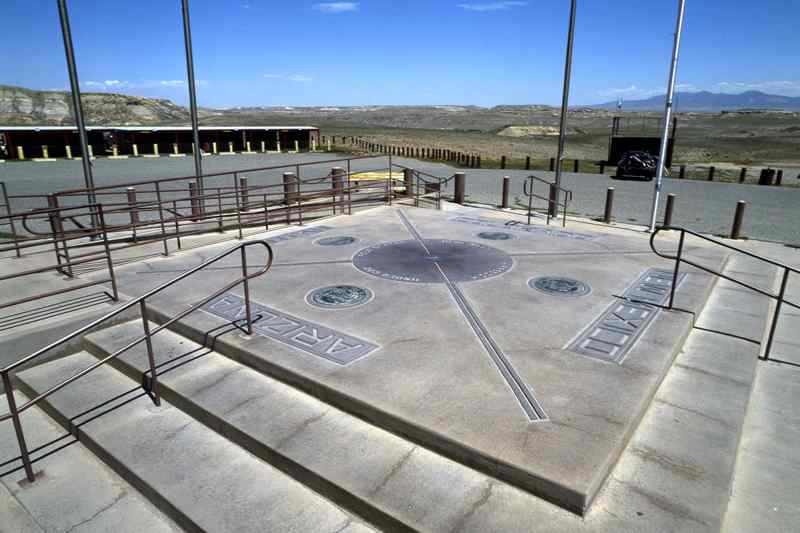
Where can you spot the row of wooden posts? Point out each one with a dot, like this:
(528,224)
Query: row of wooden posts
(767,176)
(249,149)
(608,211)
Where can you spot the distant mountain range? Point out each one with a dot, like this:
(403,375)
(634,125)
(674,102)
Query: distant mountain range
(711,102)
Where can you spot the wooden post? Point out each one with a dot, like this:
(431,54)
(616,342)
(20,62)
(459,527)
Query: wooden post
(243,190)
(134,212)
(669,209)
(711,171)
(743,175)
(527,162)
(576,165)
(682,173)
(459,187)
(194,201)
(552,164)
(290,188)
(602,168)
(738,217)
(503,161)
(408,178)
(337,184)
(779,178)
(609,205)
(478,161)
(506,187)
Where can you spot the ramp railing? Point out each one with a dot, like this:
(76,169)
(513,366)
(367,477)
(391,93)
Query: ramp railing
(552,203)
(149,383)
(780,297)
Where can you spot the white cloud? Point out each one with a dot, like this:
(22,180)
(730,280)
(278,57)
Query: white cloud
(493,6)
(297,78)
(630,92)
(109,85)
(782,87)
(336,7)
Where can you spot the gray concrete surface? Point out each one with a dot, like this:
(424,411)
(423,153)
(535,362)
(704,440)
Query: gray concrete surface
(200,479)
(703,206)
(766,491)
(408,390)
(74,490)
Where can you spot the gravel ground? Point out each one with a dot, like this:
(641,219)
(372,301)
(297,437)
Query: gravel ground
(773,213)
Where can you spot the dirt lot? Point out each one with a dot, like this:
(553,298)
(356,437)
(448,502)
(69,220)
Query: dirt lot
(728,141)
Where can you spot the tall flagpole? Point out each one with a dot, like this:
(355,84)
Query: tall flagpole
(562,132)
(187,39)
(662,153)
(77,107)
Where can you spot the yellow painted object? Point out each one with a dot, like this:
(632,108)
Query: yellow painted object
(20,153)
(214,148)
(155,151)
(297,146)
(263,147)
(68,150)
(114,151)
(175,148)
(374,178)
(135,150)
(279,146)
(45,152)
(230,147)
(91,152)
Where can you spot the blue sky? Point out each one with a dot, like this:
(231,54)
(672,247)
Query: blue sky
(482,52)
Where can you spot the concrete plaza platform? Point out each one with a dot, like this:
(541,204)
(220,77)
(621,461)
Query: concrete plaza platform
(442,331)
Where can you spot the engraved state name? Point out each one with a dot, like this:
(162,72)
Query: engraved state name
(311,338)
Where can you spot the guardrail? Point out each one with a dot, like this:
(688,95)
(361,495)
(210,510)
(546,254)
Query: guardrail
(552,204)
(678,258)
(149,384)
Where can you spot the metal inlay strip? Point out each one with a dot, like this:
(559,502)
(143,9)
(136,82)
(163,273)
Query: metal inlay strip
(523,393)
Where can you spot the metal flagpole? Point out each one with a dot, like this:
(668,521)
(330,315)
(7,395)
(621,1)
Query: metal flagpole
(198,157)
(662,153)
(77,107)
(553,208)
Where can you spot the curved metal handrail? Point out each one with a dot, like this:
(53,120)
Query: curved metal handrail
(5,372)
(552,205)
(678,258)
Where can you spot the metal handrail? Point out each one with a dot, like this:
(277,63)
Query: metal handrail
(215,174)
(678,257)
(150,385)
(552,204)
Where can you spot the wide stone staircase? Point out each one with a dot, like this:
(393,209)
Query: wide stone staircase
(237,446)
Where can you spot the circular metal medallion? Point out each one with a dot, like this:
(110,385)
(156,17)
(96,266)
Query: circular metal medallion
(560,286)
(432,259)
(342,240)
(339,296)
(495,236)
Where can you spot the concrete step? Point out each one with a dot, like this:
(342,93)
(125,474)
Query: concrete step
(684,452)
(200,479)
(384,478)
(64,468)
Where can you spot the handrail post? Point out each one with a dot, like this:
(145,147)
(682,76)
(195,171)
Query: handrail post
(675,272)
(777,312)
(238,204)
(161,220)
(219,209)
(10,219)
(177,227)
(101,219)
(23,448)
(150,357)
(246,283)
